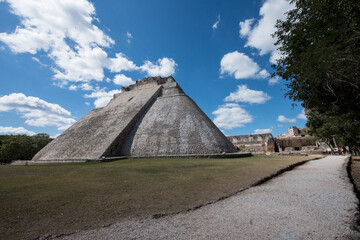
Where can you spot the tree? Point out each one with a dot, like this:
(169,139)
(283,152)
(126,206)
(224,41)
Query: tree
(21,147)
(320,62)
(40,140)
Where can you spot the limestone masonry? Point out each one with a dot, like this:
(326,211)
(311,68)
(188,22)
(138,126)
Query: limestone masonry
(254,143)
(291,141)
(153,117)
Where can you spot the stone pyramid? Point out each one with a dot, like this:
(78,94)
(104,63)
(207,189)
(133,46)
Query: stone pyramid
(153,117)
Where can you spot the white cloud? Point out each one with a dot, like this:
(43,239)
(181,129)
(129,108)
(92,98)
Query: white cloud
(15,131)
(262,74)
(164,67)
(129,37)
(87,103)
(121,79)
(230,116)
(261,131)
(40,118)
(259,35)
(64,30)
(102,97)
(245,27)
(60,84)
(283,119)
(23,103)
(244,94)
(39,62)
(241,66)
(73,87)
(275,55)
(215,25)
(302,115)
(121,63)
(36,111)
(274,81)
(81,65)
(86,87)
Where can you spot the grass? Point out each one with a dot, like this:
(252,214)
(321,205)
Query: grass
(37,200)
(355,171)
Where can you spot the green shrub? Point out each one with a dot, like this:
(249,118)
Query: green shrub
(21,147)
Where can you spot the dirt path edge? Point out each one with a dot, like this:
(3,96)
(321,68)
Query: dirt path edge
(257,183)
(160,215)
(347,169)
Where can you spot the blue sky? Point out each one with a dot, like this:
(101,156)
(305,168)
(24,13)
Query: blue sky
(59,59)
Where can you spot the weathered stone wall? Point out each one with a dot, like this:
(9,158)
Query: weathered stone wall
(260,143)
(271,145)
(257,143)
(292,144)
(93,135)
(174,124)
(150,118)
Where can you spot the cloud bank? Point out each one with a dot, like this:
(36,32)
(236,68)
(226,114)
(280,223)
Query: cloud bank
(36,111)
(283,119)
(262,131)
(15,131)
(231,115)
(102,97)
(258,32)
(244,94)
(240,66)
(215,25)
(67,32)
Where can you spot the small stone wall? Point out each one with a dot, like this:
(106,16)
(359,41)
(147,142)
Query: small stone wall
(292,144)
(265,143)
(255,143)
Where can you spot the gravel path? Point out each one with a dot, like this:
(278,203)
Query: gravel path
(313,201)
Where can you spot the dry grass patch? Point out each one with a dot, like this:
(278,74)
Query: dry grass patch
(355,171)
(53,199)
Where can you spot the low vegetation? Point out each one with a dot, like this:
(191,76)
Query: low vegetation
(21,147)
(320,63)
(37,200)
(355,172)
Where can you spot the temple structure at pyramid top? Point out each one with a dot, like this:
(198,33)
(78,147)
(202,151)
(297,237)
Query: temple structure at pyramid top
(153,117)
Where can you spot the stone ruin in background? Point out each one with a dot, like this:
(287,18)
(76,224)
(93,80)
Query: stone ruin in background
(254,143)
(294,141)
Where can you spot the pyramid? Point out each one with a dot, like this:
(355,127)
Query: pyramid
(153,117)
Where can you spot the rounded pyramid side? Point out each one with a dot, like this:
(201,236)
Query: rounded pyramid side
(90,137)
(175,125)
